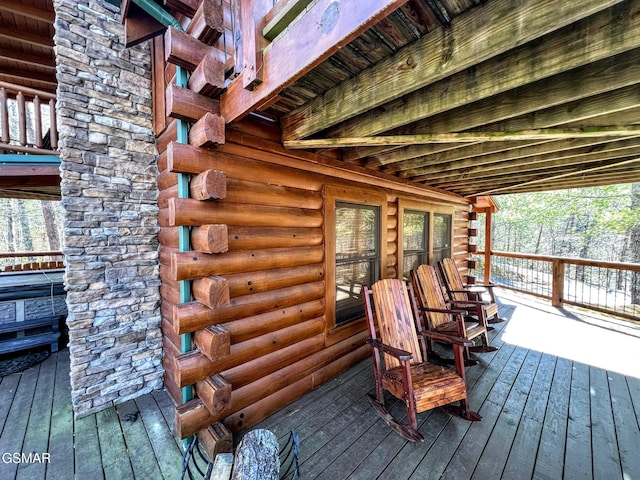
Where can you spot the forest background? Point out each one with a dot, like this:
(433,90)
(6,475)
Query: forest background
(598,223)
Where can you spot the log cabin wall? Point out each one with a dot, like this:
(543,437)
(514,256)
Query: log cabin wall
(261,314)
(260,264)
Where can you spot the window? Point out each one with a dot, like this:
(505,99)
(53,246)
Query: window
(424,233)
(357,257)
(441,236)
(415,240)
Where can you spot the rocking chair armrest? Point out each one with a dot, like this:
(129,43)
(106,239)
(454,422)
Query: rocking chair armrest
(446,310)
(482,285)
(401,355)
(472,302)
(447,338)
(464,290)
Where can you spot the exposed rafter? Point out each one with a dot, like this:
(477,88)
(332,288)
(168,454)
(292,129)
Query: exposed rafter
(474,37)
(469,137)
(25,10)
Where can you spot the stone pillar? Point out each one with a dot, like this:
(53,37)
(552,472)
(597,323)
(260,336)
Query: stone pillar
(109,192)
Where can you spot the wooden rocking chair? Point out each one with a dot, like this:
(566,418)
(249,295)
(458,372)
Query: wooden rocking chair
(468,297)
(438,316)
(400,360)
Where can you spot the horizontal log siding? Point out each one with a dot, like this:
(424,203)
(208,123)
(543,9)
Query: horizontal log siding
(274,267)
(460,251)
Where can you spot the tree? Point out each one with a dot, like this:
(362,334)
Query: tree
(50,225)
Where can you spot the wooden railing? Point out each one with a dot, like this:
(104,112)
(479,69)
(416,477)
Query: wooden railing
(608,287)
(27,120)
(23,261)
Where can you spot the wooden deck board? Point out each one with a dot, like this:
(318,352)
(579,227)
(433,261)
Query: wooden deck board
(537,412)
(36,417)
(143,460)
(544,417)
(88,462)
(550,458)
(61,430)
(521,460)
(498,446)
(37,437)
(113,450)
(163,441)
(578,455)
(627,429)
(606,459)
(15,427)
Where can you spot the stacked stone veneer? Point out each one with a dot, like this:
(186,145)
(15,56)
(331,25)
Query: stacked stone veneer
(109,192)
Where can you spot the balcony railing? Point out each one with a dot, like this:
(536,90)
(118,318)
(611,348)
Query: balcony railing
(608,287)
(24,261)
(27,120)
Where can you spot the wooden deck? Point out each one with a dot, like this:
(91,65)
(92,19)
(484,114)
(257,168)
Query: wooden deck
(133,440)
(561,404)
(564,403)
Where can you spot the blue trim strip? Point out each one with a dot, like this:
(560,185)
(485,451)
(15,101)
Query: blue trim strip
(29,159)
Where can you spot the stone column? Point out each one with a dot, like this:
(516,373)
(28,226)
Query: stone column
(109,193)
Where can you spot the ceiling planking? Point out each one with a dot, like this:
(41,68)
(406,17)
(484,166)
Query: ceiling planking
(26,44)
(429,68)
(497,67)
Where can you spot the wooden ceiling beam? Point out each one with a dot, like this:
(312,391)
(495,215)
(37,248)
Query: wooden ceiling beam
(26,37)
(561,68)
(476,36)
(476,153)
(610,74)
(630,163)
(469,137)
(518,168)
(324,28)
(45,85)
(582,181)
(399,156)
(47,63)
(483,184)
(575,86)
(30,195)
(536,152)
(25,10)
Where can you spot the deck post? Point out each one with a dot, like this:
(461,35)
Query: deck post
(487,246)
(557,286)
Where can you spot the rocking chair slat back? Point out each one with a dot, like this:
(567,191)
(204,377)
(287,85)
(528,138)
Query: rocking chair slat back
(453,279)
(395,320)
(430,291)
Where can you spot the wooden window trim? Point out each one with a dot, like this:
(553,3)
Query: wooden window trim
(421,206)
(332,193)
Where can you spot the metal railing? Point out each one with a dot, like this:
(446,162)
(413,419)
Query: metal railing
(608,287)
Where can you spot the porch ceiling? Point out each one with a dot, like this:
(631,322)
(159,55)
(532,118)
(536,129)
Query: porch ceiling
(474,97)
(26,44)
(470,96)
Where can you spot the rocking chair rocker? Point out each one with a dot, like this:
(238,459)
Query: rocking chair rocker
(400,359)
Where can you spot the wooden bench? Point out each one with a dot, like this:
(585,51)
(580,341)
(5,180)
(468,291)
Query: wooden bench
(30,334)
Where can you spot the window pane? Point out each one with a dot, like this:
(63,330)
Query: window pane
(357,257)
(413,231)
(441,236)
(356,229)
(413,261)
(415,240)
